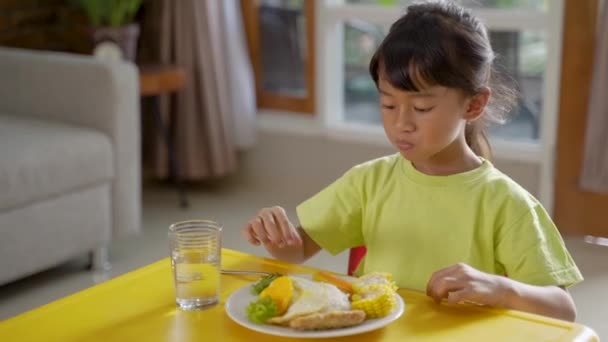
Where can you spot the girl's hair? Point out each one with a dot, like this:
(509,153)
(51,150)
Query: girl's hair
(441,43)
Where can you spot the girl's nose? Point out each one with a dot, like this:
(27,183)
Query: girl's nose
(404,121)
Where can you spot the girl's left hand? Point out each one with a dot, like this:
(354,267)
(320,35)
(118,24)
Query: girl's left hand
(463,283)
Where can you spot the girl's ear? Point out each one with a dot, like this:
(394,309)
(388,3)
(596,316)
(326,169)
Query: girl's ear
(477,104)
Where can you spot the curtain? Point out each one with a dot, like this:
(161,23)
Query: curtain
(215,113)
(594,175)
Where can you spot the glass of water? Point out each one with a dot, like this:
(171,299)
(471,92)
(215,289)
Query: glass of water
(195,260)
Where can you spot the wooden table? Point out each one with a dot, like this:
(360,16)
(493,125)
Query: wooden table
(155,81)
(139,306)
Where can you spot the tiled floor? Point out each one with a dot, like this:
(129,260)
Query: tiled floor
(232,203)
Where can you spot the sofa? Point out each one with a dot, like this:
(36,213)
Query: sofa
(70,179)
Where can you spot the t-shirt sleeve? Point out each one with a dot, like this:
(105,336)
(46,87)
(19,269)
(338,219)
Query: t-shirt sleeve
(532,251)
(332,218)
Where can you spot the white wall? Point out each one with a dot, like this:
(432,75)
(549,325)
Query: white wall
(305,163)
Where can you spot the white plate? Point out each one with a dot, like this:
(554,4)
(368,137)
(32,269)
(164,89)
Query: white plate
(235,308)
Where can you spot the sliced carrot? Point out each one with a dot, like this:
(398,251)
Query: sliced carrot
(344,285)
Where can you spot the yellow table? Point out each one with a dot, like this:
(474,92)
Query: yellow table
(139,306)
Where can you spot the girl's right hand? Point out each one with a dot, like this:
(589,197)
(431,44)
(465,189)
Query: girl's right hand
(272,227)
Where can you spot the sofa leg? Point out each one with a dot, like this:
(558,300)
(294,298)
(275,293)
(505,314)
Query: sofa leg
(99,259)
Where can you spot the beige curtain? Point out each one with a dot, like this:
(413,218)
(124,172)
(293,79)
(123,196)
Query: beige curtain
(215,113)
(595,167)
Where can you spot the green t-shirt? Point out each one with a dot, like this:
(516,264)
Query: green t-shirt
(414,224)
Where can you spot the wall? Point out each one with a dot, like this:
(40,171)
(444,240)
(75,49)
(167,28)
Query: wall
(304,164)
(43,25)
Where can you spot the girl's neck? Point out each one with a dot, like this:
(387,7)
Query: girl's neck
(456,158)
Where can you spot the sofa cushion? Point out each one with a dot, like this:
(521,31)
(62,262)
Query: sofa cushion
(41,159)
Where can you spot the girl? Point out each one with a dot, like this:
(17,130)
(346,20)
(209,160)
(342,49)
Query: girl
(437,215)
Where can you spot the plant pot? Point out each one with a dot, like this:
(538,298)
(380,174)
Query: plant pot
(125,37)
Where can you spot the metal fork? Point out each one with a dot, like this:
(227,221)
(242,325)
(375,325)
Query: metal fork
(239,272)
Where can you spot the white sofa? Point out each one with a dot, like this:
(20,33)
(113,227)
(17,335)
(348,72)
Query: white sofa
(70,179)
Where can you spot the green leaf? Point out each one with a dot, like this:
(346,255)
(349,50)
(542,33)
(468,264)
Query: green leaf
(261,310)
(114,13)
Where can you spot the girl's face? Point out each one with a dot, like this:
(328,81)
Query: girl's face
(422,125)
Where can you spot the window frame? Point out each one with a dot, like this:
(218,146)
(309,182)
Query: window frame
(331,14)
(272,100)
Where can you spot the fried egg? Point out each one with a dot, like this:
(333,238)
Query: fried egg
(312,297)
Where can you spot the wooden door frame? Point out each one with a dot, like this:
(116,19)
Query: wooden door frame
(270,100)
(576,211)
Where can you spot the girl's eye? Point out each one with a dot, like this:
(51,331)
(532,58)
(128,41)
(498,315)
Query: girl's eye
(389,107)
(423,110)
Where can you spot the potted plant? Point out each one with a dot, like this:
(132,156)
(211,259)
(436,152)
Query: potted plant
(113,21)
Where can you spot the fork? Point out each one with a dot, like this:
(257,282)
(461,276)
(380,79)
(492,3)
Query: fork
(240,272)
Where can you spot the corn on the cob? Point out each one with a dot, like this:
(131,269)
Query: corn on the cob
(375,278)
(375,300)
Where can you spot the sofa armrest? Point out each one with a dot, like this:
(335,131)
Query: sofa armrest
(83,91)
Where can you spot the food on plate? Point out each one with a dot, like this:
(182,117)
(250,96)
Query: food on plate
(312,297)
(374,294)
(261,310)
(281,291)
(375,278)
(258,287)
(344,285)
(375,300)
(322,303)
(328,320)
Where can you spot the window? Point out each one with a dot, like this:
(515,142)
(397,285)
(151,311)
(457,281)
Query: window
(281,45)
(521,32)
(521,55)
(360,94)
(528,4)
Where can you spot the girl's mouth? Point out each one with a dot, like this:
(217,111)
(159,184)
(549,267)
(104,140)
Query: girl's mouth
(404,145)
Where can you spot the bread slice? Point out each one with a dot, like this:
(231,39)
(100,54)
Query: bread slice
(328,320)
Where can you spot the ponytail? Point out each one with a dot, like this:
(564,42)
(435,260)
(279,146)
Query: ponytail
(477,139)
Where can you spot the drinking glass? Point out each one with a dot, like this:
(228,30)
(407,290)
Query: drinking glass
(195,260)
